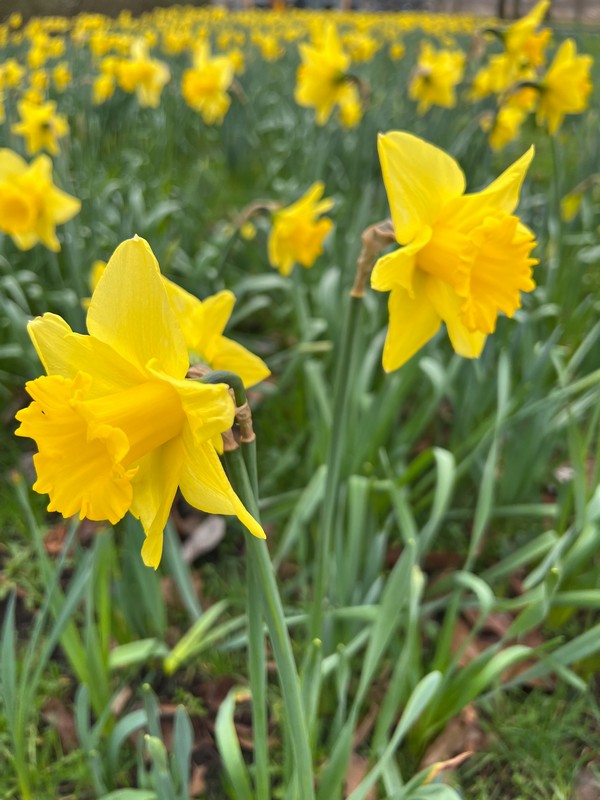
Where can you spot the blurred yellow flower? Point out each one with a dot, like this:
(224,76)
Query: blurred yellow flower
(504,126)
(31,206)
(350,106)
(40,126)
(570,205)
(143,75)
(435,78)
(116,424)
(202,323)
(566,87)
(397,51)
(61,75)
(297,233)
(204,86)
(464,257)
(321,77)
(518,35)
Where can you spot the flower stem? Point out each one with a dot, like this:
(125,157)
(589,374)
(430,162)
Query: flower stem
(263,591)
(341,396)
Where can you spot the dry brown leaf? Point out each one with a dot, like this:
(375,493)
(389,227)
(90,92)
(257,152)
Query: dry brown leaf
(461,735)
(358,766)
(57,715)
(197,785)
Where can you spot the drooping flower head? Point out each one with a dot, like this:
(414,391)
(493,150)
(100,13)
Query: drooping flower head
(566,87)
(521,39)
(116,424)
(31,206)
(299,230)
(463,257)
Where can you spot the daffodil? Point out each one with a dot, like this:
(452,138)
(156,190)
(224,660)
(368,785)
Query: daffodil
(463,257)
(116,424)
(31,206)
(204,86)
(202,323)
(299,230)
(435,78)
(41,127)
(321,77)
(518,35)
(566,87)
(143,75)
(504,126)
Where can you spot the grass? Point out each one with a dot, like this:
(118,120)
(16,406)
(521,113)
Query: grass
(467,491)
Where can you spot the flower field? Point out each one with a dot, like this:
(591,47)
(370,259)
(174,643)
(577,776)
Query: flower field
(300,342)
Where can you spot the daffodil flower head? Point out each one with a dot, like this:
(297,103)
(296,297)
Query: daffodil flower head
(435,78)
(463,257)
(117,425)
(321,77)
(566,87)
(31,206)
(41,126)
(298,231)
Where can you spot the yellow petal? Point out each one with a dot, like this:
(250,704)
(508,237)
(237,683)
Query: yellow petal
(190,315)
(397,268)
(229,355)
(419,180)
(10,164)
(154,489)
(78,467)
(65,353)
(413,322)
(205,485)
(217,310)
(130,311)
(447,303)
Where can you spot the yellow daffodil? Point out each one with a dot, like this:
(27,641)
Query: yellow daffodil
(40,126)
(516,37)
(297,234)
(321,77)
(566,87)
(435,78)
(397,51)
(570,205)
(202,323)
(204,86)
(504,126)
(61,75)
(143,75)
(464,257)
(116,424)
(31,206)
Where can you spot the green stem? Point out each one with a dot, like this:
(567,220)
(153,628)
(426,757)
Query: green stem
(231,379)
(554,219)
(265,584)
(341,398)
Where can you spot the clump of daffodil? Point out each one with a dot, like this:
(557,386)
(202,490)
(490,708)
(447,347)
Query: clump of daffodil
(298,231)
(41,127)
(322,77)
(435,77)
(143,75)
(204,86)
(31,206)
(117,426)
(463,257)
(202,323)
(566,86)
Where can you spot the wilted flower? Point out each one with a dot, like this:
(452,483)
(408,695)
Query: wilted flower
(31,206)
(297,234)
(464,257)
(117,426)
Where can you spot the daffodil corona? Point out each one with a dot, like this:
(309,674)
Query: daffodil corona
(116,424)
(464,257)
